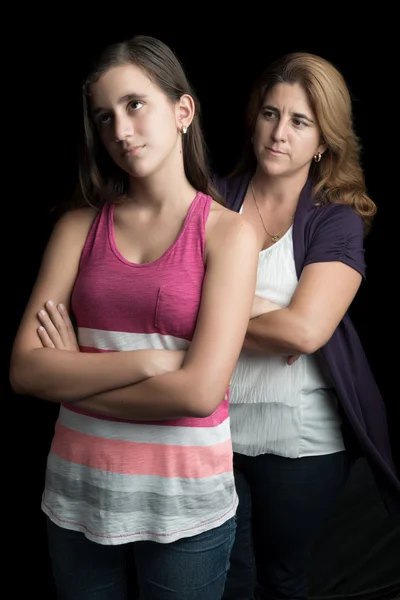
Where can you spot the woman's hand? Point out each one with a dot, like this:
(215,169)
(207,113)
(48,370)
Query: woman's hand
(56,329)
(292,358)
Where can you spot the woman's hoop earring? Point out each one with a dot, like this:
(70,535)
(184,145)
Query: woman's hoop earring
(317,157)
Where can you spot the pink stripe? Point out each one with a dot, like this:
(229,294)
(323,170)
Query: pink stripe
(92,350)
(133,458)
(219,416)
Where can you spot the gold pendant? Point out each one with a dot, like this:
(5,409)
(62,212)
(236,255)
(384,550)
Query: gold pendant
(275,238)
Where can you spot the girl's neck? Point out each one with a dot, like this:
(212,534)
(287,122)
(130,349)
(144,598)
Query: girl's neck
(162,189)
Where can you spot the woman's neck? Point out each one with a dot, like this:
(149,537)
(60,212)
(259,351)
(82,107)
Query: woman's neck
(278,191)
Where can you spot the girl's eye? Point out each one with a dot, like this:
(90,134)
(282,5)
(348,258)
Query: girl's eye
(135,105)
(104,119)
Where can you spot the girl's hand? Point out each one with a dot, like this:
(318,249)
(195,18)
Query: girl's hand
(166,361)
(56,330)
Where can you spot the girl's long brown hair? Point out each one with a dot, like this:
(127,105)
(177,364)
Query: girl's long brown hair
(100,179)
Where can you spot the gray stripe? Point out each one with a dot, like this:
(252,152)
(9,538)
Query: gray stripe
(121,482)
(195,506)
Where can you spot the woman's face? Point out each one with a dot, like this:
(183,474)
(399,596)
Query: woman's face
(286,135)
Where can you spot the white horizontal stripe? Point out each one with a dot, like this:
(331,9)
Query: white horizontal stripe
(119,341)
(145,433)
(147,527)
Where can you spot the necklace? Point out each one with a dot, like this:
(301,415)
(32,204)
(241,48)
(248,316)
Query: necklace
(274,237)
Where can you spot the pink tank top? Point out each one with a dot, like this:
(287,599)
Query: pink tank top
(121,481)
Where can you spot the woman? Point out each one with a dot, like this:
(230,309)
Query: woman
(294,428)
(141,453)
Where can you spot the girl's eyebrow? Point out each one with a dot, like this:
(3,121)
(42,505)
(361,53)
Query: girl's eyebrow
(121,100)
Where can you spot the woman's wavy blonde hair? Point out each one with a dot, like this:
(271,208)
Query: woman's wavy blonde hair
(338,177)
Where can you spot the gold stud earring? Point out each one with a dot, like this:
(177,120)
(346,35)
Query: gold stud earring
(317,157)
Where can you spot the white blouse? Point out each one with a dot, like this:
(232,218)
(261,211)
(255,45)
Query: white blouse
(275,408)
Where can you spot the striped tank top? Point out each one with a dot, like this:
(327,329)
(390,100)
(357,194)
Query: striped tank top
(121,481)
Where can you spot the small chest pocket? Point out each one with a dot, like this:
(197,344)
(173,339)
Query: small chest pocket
(176,313)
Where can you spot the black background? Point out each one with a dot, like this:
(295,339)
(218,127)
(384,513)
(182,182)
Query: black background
(221,56)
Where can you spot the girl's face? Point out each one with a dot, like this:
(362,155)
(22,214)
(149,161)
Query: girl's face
(137,123)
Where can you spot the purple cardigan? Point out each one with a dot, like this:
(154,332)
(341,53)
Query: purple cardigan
(335,232)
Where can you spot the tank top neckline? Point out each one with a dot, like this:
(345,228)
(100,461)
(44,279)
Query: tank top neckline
(117,253)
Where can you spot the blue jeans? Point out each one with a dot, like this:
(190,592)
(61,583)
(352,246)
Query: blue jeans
(282,504)
(192,568)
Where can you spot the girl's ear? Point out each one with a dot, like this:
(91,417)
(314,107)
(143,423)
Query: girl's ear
(185,111)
